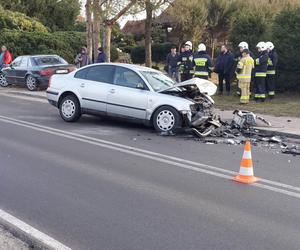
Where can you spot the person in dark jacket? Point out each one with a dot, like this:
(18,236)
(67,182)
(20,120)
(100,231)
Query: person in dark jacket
(185,62)
(202,62)
(172,63)
(271,70)
(101,56)
(261,66)
(224,65)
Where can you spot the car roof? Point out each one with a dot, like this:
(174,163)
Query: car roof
(130,66)
(38,55)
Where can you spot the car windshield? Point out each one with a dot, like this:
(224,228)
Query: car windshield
(157,80)
(48,60)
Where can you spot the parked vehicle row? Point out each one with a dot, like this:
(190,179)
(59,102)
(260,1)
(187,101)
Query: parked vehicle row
(34,71)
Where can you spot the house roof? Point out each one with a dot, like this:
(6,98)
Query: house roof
(134,27)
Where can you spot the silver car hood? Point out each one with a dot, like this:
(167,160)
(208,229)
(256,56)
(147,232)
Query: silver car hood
(204,86)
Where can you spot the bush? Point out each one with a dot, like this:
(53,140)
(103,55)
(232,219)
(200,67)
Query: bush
(249,26)
(17,21)
(65,44)
(286,37)
(159,53)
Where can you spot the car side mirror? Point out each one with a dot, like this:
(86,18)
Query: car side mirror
(140,86)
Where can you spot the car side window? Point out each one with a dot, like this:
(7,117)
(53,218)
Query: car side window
(17,62)
(23,63)
(102,73)
(81,74)
(128,78)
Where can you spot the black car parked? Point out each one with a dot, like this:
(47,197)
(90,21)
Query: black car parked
(34,71)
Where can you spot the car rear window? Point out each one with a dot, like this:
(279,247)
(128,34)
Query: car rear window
(48,60)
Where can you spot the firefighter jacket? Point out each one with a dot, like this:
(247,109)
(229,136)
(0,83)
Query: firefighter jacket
(272,62)
(244,69)
(261,64)
(185,62)
(203,64)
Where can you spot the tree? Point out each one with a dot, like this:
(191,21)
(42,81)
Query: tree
(89,27)
(150,6)
(112,11)
(191,16)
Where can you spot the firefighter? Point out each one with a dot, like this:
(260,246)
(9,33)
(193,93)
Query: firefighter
(202,62)
(271,72)
(242,46)
(244,70)
(261,65)
(185,62)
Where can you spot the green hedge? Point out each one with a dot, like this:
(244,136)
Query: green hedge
(286,37)
(159,53)
(17,21)
(65,44)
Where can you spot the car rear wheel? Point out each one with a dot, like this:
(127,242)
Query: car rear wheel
(3,81)
(31,83)
(69,109)
(166,119)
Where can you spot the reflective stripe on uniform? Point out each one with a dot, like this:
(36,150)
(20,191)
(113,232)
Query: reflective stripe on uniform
(243,76)
(260,74)
(271,93)
(257,61)
(271,72)
(200,61)
(260,96)
(201,73)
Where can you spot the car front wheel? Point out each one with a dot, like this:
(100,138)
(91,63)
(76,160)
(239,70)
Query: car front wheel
(31,83)
(69,109)
(3,81)
(166,119)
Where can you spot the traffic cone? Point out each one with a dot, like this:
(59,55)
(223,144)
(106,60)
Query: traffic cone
(246,169)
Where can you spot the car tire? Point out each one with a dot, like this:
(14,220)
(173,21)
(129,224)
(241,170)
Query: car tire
(69,109)
(31,83)
(166,119)
(3,81)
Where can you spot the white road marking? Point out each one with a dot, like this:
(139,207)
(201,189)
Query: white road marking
(45,240)
(25,97)
(170,160)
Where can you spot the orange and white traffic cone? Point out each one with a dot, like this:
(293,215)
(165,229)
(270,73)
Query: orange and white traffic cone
(246,174)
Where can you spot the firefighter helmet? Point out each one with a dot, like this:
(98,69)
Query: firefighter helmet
(201,47)
(270,45)
(243,45)
(262,46)
(189,43)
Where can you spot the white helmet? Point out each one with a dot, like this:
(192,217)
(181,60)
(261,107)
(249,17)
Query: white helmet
(189,43)
(262,46)
(270,45)
(201,47)
(243,45)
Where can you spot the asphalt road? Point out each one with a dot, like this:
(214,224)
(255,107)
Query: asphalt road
(82,185)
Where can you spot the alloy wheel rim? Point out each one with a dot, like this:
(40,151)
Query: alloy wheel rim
(68,108)
(31,83)
(3,81)
(165,120)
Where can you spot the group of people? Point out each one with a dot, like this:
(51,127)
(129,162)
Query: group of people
(82,59)
(258,72)
(5,57)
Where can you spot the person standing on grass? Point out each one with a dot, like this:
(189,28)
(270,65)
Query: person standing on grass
(224,65)
(172,63)
(244,71)
(271,71)
(185,61)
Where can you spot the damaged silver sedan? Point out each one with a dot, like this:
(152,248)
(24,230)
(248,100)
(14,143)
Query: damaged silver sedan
(135,93)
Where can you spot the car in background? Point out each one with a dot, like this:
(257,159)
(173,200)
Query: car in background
(34,71)
(135,93)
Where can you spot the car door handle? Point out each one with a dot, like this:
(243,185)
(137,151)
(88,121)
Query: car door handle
(82,85)
(112,91)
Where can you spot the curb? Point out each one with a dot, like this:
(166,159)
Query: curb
(28,234)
